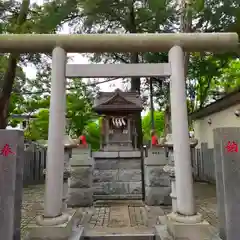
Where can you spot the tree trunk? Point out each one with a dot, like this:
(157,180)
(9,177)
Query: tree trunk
(185,19)
(151,104)
(135,86)
(9,76)
(167,121)
(135,81)
(167,115)
(185,26)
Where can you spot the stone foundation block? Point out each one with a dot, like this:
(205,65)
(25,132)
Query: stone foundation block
(131,154)
(161,233)
(156,177)
(105,175)
(155,196)
(129,163)
(132,175)
(81,177)
(108,155)
(80,197)
(55,232)
(118,197)
(108,164)
(135,187)
(121,188)
(156,157)
(107,188)
(194,231)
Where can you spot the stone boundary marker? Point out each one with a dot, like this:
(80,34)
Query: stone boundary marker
(227,167)
(11,174)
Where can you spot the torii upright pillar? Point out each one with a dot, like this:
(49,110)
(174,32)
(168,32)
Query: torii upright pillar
(55,154)
(180,134)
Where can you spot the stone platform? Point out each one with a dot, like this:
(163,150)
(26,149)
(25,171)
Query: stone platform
(105,217)
(120,218)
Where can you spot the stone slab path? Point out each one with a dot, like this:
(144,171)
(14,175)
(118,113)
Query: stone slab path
(119,218)
(122,216)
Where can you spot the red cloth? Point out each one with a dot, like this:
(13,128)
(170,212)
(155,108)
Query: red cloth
(83,140)
(154,140)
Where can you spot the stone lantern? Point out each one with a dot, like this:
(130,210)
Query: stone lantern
(69,144)
(170,168)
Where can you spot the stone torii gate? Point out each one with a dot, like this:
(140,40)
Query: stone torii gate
(59,45)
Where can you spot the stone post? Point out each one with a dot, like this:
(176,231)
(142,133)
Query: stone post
(227,169)
(11,178)
(156,181)
(80,191)
(55,151)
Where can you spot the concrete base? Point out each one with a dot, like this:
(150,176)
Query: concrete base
(161,233)
(172,230)
(55,232)
(77,233)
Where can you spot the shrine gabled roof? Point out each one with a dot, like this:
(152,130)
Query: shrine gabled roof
(109,100)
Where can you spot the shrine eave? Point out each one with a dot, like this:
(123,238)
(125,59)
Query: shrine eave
(117,108)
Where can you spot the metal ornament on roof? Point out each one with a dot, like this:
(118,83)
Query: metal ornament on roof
(119,122)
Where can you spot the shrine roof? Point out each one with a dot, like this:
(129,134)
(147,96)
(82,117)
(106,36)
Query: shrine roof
(118,100)
(221,104)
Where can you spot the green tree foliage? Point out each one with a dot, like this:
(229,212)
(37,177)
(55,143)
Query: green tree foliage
(92,132)
(79,112)
(24,17)
(38,128)
(79,107)
(230,76)
(159,124)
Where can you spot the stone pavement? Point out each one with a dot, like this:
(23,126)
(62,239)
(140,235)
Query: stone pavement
(33,198)
(205,195)
(119,216)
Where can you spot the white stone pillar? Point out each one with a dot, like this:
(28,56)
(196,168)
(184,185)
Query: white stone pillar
(56,131)
(180,135)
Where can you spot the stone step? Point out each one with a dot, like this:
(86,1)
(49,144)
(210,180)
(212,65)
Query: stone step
(119,234)
(121,237)
(117,197)
(131,203)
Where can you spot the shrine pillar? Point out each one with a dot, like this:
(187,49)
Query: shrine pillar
(56,131)
(180,135)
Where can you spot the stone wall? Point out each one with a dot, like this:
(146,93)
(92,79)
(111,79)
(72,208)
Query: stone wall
(157,182)
(117,175)
(80,192)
